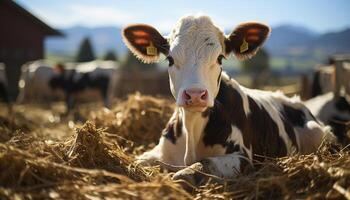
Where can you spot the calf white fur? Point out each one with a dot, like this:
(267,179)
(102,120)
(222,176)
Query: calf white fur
(219,126)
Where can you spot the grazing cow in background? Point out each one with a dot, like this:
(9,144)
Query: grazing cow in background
(34,83)
(96,75)
(219,126)
(333,111)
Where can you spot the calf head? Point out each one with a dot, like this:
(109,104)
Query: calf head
(195,49)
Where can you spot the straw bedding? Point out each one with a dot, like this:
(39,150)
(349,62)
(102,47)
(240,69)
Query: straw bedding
(95,160)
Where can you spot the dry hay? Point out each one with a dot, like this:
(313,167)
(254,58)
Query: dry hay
(93,164)
(9,126)
(140,118)
(86,166)
(324,174)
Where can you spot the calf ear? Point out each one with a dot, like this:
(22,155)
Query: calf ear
(246,39)
(145,42)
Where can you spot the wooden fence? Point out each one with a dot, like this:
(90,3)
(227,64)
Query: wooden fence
(145,82)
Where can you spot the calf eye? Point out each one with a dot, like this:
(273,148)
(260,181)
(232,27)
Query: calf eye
(220,59)
(171,60)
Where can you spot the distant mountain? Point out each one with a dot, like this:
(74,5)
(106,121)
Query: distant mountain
(285,41)
(299,42)
(335,42)
(102,38)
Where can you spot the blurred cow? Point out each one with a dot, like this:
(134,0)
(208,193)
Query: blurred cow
(41,81)
(33,83)
(98,76)
(333,111)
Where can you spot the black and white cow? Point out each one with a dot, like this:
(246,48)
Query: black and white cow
(219,126)
(333,111)
(100,76)
(4,95)
(34,83)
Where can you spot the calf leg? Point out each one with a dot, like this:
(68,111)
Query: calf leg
(106,98)
(218,168)
(167,154)
(69,103)
(170,149)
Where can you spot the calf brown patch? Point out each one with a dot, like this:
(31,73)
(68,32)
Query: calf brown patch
(173,129)
(264,133)
(258,128)
(295,116)
(228,108)
(291,118)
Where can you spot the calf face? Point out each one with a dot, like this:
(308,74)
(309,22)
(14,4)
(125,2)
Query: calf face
(195,49)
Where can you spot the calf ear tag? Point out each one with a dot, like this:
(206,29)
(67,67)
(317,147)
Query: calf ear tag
(151,50)
(244,46)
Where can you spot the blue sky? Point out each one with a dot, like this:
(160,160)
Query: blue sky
(318,15)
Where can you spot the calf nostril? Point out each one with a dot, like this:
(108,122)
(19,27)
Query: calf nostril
(204,95)
(186,95)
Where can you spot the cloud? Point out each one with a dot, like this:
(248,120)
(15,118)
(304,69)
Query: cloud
(94,15)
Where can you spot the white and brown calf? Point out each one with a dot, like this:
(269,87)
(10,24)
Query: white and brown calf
(219,126)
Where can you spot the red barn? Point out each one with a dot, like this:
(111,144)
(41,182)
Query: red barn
(21,40)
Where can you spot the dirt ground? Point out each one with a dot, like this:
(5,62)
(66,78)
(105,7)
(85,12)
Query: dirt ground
(91,155)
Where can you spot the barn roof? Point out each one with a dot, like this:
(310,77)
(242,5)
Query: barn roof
(46,28)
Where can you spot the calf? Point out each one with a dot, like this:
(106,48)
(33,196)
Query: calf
(333,111)
(219,126)
(100,76)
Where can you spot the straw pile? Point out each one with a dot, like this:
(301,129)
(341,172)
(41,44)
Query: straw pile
(85,166)
(97,162)
(140,118)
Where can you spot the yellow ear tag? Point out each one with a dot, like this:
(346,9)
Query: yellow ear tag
(151,50)
(244,46)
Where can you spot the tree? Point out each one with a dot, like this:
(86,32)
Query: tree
(132,63)
(258,67)
(85,53)
(110,55)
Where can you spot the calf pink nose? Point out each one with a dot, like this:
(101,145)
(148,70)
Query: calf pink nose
(195,96)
